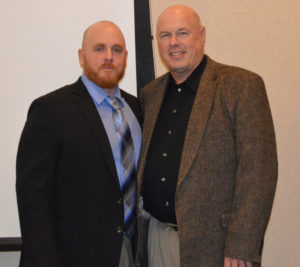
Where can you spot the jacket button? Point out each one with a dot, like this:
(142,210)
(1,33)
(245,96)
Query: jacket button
(120,201)
(119,230)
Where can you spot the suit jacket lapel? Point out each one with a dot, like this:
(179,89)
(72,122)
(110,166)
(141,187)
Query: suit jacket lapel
(89,111)
(198,119)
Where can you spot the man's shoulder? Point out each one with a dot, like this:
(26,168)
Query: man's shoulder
(61,93)
(235,81)
(231,73)
(59,99)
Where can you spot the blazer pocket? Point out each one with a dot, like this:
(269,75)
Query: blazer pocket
(225,219)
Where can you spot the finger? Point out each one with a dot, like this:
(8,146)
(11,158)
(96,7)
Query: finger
(241,263)
(227,262)
(249,264)
(234,263)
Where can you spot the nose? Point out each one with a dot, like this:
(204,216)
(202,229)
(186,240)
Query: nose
(174,40)
(108,55)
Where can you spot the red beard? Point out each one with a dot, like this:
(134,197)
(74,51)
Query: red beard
(104,79)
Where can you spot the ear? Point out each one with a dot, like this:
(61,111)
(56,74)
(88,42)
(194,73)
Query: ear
(126,55)
(81,57)
(203,34)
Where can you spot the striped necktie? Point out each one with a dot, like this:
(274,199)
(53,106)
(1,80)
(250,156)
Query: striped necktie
(127,181)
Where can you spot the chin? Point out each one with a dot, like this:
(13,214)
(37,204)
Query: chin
(177,69)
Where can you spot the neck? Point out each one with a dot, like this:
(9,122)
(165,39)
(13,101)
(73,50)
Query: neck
(179,78)
(110,91)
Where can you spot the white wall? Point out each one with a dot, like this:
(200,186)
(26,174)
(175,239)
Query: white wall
(263,36)
(9,259)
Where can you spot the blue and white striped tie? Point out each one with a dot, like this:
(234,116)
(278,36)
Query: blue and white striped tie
(127,183)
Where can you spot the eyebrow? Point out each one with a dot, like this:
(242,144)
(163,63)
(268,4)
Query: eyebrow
(98,44)
(180,29)
(117,45)
(183,29)
(114,45)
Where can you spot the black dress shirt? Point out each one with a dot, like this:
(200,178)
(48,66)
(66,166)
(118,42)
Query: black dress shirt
(163,160)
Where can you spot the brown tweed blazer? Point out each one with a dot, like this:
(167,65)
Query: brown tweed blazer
(228,169)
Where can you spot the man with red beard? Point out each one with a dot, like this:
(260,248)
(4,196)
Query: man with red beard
(76,164)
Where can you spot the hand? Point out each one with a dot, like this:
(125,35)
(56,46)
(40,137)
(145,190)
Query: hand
(229,262)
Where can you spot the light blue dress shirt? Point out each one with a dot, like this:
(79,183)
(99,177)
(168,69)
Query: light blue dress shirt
(99,95)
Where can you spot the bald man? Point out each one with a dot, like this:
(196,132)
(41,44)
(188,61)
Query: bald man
(71,186)
(208,165)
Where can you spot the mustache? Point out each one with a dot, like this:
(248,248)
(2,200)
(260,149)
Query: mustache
(107,65)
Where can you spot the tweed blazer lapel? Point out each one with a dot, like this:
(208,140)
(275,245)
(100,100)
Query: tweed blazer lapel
(198,119)
(157,96)
(90,113)
(155,99)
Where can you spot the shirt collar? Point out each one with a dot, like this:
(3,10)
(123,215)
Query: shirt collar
(192,82)
(97,93)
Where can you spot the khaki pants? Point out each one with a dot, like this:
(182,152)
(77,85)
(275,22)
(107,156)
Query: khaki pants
(163,245)
(126,258)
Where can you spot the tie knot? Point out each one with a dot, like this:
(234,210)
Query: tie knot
(114,102)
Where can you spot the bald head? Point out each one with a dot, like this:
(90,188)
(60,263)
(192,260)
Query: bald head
(180,11)
(99,27)
(181,39)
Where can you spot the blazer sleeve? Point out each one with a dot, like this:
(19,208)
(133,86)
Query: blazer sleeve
(36,163)
(256,174)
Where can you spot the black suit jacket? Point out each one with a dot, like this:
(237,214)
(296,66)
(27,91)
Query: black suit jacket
(69,198)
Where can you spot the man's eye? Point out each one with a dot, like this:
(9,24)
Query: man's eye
(117,50)
(100,49)
(183,34)
(164,35)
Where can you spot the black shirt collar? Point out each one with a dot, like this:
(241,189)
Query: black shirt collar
(192,82)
